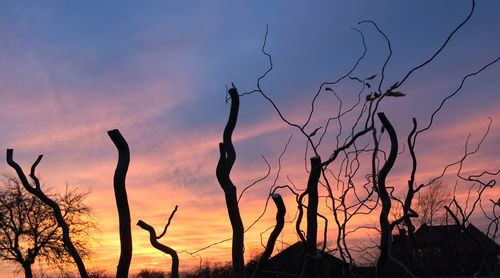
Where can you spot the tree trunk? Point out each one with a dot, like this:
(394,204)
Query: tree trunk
(224,166)
(122,203)
(27,270)
(312,216)
(280,223)
(385,227)
(312,204)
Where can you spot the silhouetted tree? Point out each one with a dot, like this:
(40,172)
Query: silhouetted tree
(348,148)
(431,202)
(370,140)
(122,202)
(224,166)
(312,216)
(29,232)
(56,209)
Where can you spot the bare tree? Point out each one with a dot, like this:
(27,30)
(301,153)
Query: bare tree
(431,202)
(347,191)
(478,184)
(29,231)
(56,209)
(348,147)
(120,196)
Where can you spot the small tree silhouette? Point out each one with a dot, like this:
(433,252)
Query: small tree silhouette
(431,202)
(37,191)
(29,231)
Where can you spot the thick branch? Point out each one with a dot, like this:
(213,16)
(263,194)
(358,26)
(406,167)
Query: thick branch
(228,130)
(458,222)
(312,204)
(224,166)
(122,202)
(299,217)
(312,215)
(280,223)
(385,227)
(165,249)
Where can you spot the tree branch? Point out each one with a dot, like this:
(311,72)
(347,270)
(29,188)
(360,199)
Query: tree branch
(122,202)
(165,249)
(280,223)
(224,166)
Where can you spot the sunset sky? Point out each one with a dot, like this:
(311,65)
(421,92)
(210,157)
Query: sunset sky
(157,71)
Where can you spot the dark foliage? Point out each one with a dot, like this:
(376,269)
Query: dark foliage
(99,273)
(148,273)
(212,270)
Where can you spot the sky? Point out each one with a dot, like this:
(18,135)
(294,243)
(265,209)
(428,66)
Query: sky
(157,71)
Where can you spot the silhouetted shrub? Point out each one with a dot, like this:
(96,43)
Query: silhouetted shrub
(212,270)
(221,270)
(148,273)
(99,273)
